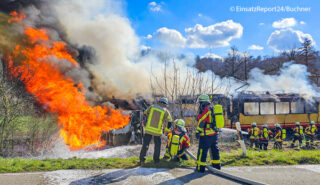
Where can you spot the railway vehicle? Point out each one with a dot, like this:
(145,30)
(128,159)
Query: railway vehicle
(245,107)
(262,108)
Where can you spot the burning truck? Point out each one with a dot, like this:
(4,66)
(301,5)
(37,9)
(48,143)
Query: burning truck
(133,132)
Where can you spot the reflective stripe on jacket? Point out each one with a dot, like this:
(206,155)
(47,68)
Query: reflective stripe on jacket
(184,142)
(205,122)
(278,136)
(298,131)
(265,134)
(311,130)
(254,133)
(157,117)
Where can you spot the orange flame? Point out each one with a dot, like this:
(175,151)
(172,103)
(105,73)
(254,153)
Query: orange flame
(81,124)
(16,17)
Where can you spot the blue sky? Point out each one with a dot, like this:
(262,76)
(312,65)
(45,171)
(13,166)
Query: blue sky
(245,30)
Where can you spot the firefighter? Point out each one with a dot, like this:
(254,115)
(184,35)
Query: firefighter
(178,142)
(298,135)
(210,120)
(279,136)
(265,136)
(310,132)
(254,133)
(157,117)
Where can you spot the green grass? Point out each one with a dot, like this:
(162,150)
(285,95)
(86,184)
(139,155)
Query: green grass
(272,157)
(233,158)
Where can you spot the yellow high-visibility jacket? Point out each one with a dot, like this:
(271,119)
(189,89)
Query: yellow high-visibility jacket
(158,116)
(311,130)
(278,135)
(210,119)
(254,133)
(298,131)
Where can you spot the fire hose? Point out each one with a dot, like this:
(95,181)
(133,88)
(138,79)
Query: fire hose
(226,175)
(220,173)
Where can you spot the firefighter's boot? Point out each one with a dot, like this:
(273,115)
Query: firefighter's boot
(216,166)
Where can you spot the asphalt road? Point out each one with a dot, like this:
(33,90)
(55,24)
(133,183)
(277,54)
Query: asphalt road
(291,175)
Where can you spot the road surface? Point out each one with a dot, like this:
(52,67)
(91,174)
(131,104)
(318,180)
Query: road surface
(291,175)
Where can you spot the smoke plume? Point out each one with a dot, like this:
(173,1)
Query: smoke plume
(100,25)
(101,39)
(106,47)
(293,78)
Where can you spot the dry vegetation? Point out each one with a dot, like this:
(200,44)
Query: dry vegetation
(24,127)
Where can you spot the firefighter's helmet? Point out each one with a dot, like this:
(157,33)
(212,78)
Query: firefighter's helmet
(277,125)
(164,101)
(179,123)
(312,123)
(254,124)
(204,98)
(265,126)
(297,123)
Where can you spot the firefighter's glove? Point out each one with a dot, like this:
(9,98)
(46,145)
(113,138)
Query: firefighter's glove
(177,159)
(164,137)
(198,135)
(169,126)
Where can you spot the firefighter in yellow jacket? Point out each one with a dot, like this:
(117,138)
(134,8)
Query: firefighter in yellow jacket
(254,134)
(279,136)
(265,135)
(310,132)
(298,135)
(178,142)
(158,117)
(210,120)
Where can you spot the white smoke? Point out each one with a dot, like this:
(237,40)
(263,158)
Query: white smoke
(121,71)
(292,78)
(101,25)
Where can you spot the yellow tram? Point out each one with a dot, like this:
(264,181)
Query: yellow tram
(262,108)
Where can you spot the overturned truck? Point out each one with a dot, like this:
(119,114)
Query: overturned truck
(133,132)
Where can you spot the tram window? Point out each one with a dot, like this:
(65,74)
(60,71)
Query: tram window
(297,107)
(282,108)
(267,108)
(311,107)
(251,108)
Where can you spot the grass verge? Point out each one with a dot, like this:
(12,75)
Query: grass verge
(233,158)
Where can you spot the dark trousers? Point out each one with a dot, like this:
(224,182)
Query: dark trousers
(295,138)
(254,142)
(277,145)
(208,143)
(309,138)
(157,146)
(264,144)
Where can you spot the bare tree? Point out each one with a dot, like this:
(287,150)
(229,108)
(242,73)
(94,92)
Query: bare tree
(245,61)
(12,105)
(182,84)
(306,51)
(22,122)
(234,55)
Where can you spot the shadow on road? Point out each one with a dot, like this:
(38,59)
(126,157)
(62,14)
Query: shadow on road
(117,176)
(192,176)
(185,179)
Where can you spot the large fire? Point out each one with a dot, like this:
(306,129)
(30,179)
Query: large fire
(34,62)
